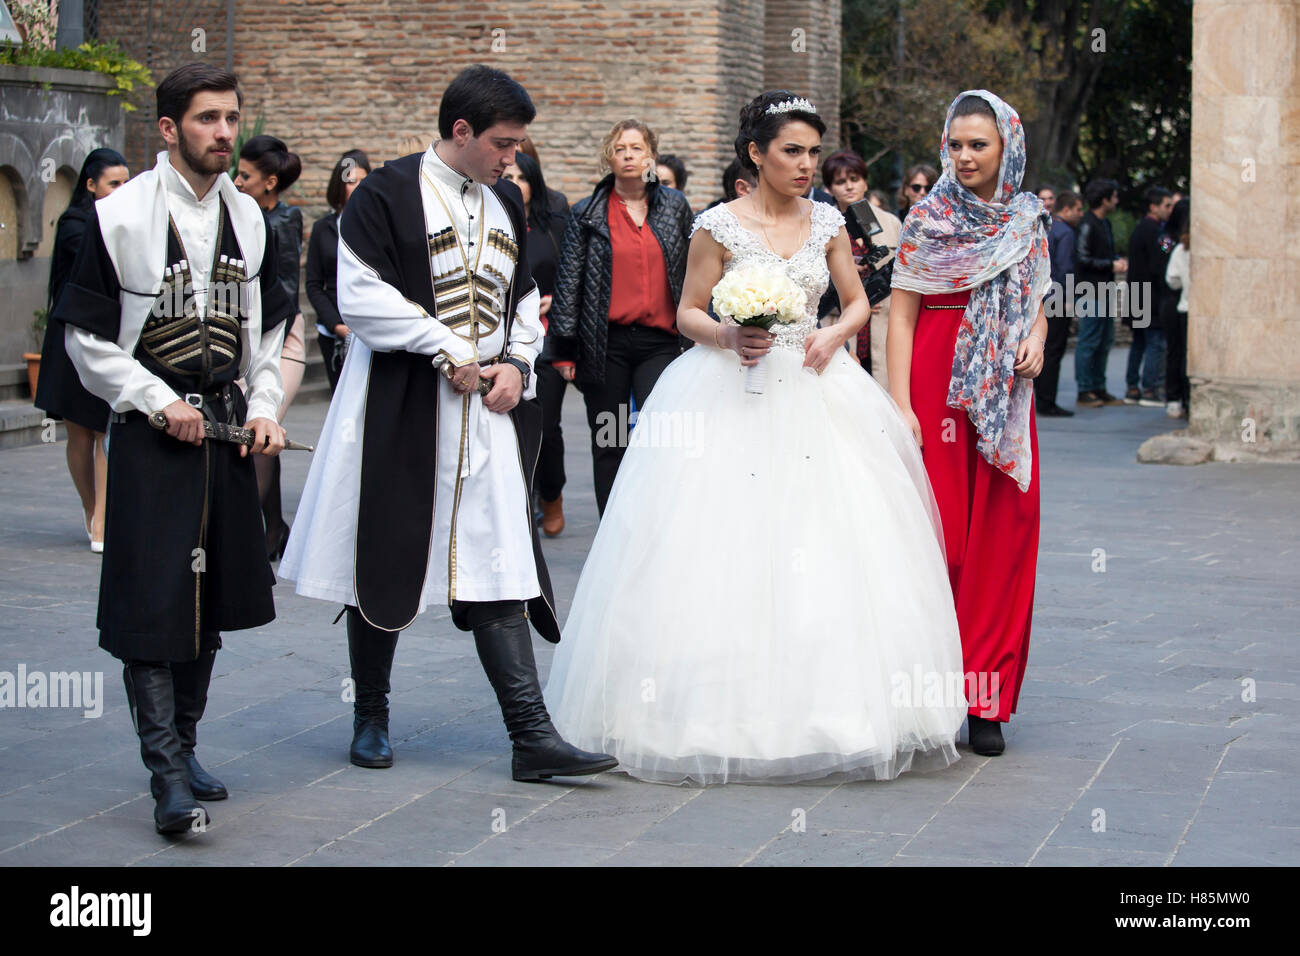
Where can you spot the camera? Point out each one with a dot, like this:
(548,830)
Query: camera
(876,283)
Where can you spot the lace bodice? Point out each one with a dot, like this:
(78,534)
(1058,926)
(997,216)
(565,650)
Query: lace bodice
(807,267)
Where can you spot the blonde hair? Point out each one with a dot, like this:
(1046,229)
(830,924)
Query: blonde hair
(621,127)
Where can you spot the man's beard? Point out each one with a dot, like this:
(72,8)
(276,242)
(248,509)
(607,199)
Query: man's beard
(207,163)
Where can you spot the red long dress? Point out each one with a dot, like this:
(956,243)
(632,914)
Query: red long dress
(990,526)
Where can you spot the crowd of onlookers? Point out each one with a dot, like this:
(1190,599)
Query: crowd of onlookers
(1146,290)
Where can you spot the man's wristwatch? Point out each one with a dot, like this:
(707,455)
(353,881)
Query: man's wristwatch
(525,370)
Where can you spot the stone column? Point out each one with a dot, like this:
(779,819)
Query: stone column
(1244,310)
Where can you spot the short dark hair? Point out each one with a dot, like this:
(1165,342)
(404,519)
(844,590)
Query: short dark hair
(733,172)
(845,161)
(931,175)
(335,191)
(677,166)
(1067,200)
(760,127)
(272,158)
(177,89)
(1155,195)
(483,97)
(1098,191)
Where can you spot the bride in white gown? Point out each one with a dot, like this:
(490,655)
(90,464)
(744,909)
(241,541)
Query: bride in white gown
(766,599)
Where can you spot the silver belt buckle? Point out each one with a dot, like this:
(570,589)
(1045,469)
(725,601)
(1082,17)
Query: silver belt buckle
(194,399)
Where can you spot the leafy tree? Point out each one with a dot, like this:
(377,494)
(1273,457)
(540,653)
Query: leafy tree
(949,46)
(1103,86)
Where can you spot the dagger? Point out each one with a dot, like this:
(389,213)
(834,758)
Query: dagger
(483,386)
(230,433)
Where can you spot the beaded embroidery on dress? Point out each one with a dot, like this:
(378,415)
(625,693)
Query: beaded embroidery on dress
(766,599)
(807,267)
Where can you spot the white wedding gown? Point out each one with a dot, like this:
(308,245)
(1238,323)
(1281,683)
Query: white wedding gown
(766,599)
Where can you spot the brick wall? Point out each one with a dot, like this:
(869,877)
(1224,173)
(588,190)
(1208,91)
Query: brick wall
(332,76)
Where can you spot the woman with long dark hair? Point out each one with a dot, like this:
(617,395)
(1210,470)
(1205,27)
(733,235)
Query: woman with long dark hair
(621,271)
(266,170)
(966,338)
(322,262)
(59,392)
(546,225)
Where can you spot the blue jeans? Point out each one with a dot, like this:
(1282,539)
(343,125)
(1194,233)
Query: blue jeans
(1096,336)
(1147,354)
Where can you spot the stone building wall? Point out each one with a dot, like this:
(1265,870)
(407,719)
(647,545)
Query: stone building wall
(365,74)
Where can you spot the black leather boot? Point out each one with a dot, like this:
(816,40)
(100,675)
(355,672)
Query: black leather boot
(191,681)
(505,646)
(370,651)
(985,736)
(153,710)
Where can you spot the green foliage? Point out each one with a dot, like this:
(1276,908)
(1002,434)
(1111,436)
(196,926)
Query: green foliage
(949,46)
(1137,127)
(1104,86)
(245,134)
(106,58)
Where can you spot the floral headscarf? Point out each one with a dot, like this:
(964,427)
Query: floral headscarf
(953,241)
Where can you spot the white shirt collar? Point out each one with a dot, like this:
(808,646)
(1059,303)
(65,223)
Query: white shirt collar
(177,185)
(454,181)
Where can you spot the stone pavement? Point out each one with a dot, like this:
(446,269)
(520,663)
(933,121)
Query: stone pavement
(1158,701)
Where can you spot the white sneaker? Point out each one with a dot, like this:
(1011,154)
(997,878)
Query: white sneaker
(1174,409)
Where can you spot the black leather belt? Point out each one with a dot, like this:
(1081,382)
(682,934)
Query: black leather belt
(204,401)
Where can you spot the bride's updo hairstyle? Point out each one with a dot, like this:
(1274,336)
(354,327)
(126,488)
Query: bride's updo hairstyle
(760,127)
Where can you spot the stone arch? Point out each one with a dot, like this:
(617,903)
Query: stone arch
(57,172)
(21,171)
(10,204)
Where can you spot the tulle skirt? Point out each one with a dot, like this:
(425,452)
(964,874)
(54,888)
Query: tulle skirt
(766,599)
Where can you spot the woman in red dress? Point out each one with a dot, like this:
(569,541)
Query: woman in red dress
(966,336)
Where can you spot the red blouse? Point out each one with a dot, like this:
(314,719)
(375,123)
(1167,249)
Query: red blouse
(638,289)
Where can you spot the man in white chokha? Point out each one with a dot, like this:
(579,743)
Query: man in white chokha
(420,488)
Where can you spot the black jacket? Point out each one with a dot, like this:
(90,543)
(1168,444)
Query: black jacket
(284,246)
(1146,263)
(323,272)
(579,316)
(544,243)
(1094,250)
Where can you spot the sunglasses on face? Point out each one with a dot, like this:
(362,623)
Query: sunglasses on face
(919,187)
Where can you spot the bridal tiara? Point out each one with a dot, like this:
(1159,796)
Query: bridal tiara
(789,106)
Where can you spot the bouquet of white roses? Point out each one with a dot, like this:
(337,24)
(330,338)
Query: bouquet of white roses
(761,297)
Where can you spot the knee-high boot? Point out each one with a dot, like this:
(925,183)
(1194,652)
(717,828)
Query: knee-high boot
(150,696)
(505,646)
(370,651)
(191,681)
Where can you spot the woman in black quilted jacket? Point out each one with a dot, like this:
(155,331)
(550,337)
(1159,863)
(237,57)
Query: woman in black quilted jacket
(613,321)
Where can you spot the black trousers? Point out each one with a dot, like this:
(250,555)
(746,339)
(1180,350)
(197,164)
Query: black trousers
(549,480)
(1045,386)
(1177,387)
(327,353)
(635,357)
